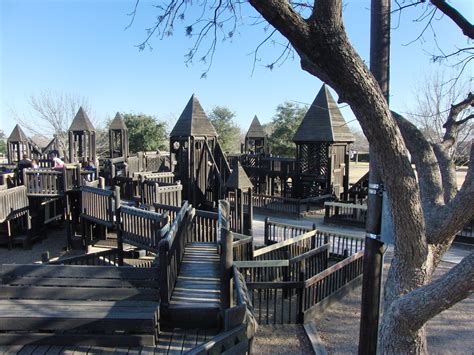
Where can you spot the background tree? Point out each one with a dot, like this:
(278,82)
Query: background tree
(427,209)
(3,144)
(145,133)
(360,144)
(284,124)
(434,97)
(51,114)
(229,132)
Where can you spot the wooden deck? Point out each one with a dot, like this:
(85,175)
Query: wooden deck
(195,301)
(171,341)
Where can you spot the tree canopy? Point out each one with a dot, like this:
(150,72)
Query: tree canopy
(229,132)
(284,124)
(145,133)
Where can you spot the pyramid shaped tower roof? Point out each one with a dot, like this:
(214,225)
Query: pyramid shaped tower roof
(323,122)
(17,135)
(193,122)
(81,122)
(255,129)
(118,122)
(238,179)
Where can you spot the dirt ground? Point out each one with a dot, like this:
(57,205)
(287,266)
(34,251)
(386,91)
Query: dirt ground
(451,332)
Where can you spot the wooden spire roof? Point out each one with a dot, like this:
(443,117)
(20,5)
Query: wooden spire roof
(193,122)
(118,123)
(81,122)
(323,122)
(255,129)
(17,135)
(238,179)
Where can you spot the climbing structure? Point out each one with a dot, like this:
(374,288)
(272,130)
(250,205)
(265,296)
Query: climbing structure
(18,145)
(118,137)
(200,164)
(322,161)
(81,136)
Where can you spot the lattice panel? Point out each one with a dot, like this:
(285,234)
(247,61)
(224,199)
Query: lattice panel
(314,158)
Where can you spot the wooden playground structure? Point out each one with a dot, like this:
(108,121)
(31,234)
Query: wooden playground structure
(169,261)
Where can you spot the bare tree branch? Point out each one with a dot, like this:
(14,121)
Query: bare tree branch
(452,217)
(417,307)
(466,27)
(426,163)
(451,125)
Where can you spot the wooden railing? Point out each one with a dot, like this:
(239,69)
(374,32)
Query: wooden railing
(205,227)
(152,192)
(275,232)
(100,206)
(288,291)
(45,182)
(13,203)
(166,177)
(290,248)
(329,281)
(140,228)
(292,206)
(172,211)
(466,235)
(128,187)
(242,247)
(342,245)
(171,251)
(109,257)
(345,213)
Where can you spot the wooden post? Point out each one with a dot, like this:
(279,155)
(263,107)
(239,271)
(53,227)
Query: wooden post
(249,217)
(163,248)
(266,231)
(300,295)
(226,268)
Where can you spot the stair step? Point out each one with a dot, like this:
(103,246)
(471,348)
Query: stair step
(190,316)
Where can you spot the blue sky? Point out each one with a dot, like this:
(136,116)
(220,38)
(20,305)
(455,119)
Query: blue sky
(81,47)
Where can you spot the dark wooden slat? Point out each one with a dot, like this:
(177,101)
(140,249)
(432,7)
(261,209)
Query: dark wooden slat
(89,339)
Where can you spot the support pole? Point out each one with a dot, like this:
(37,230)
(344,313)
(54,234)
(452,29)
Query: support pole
(374,247)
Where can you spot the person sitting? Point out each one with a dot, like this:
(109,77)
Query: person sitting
(58,163)
(90,166)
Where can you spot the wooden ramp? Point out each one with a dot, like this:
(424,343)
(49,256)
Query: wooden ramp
(195,301)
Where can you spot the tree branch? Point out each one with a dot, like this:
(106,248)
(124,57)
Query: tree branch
(451,125)
(466,27)
(422,304)
(426,163)
(448,172)
(452,217)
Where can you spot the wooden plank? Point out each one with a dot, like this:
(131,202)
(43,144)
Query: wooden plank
(76,271)
(83,282)
(77,293)
(79,339)
(176,343)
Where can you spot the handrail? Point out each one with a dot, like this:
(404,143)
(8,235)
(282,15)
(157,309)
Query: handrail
(284,243)
(311,281)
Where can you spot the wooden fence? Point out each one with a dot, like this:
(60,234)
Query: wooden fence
(275,232)
(14,207)
(171,251)
(242,247)
(286,205)
(140,228)
(166,177)
(279,299)
(152,192)
(45,182)
(350,214)
(205,227)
